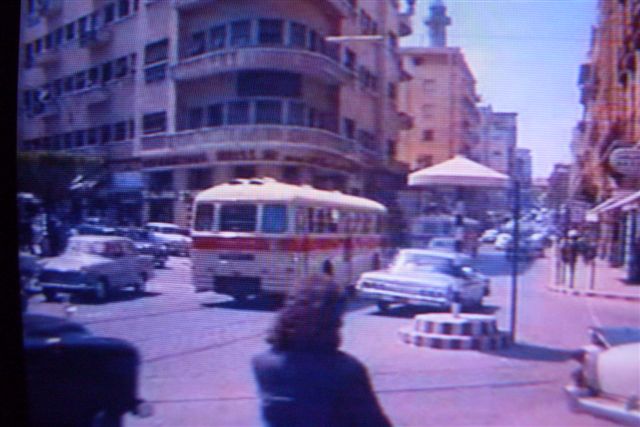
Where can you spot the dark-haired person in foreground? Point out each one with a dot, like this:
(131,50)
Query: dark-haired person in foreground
(304,380)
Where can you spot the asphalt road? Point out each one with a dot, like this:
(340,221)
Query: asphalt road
(196,350)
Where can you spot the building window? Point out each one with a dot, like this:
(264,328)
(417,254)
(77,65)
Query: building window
(296,114)
(79,138)
(424,161)
(93,76)
(109,13)
(154,122)
(70,30)
(198,43)
(132,128)
(106,72)
(238,113)
(68,140)
(244,171)
(121,67)
(392,91)
(120,131)
(427,135)
(48,41)
(269,83)
(57,87)
(291,174)
(92,136)
(105,133)
(58,36)
(123,8)
(156,51)
(391,148)
(297,35)
(38,45)
(268,112)
(80,80)
(349,128)
(350,59)
(270,31)
(240,33)
(200,178)
(313,40)
(218,36)
(195,118)
(155,73)
(215,115)
(160,181)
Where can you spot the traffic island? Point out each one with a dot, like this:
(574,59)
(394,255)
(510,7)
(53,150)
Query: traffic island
(451,332)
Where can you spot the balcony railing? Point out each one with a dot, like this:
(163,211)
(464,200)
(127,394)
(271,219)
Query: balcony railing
(96,38)
(112,150)
(343,7)
(272,58)
(260,134)
(47,58)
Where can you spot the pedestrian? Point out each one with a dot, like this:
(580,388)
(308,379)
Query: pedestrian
(304,380)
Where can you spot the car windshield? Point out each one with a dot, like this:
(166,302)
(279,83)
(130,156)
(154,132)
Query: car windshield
(411,262)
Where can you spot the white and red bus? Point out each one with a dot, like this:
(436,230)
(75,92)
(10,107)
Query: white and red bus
(261,236)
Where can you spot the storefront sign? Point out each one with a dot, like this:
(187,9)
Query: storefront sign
(174,160)
(626,161)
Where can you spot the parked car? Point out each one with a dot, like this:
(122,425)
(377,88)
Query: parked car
(176,238)
(527,250)
(94,229)
(502,240)
(489,236)
(146,244)
(607,383)
(99,265)
(77,379)
(425,277)
(447,244)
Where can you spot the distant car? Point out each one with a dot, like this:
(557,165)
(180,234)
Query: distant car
(425,277)
(502,240)
(607,384)
(146,244)
(447,244)
(74,378)
(94,229)
(99,265)
(489,236)
(176,238)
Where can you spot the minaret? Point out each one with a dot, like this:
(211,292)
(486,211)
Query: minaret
(438,23)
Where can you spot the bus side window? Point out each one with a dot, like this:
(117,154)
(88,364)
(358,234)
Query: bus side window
(334,218)
(204,217)
(311,220)
(301,220)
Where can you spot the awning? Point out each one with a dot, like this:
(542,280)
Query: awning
(459,171)
(625,202)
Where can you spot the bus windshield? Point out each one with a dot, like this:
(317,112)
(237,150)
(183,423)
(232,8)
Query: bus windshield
(238,217)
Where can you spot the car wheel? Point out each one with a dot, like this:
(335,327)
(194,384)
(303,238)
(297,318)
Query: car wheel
(383,306)
(50,295)
(102,290)
(141,286)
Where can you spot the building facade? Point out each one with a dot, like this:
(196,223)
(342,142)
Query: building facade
(498,139)
(183,94)
(441,97)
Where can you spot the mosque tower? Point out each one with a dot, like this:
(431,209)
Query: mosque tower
(438,22)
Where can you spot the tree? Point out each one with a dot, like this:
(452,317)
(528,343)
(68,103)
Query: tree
(49,175)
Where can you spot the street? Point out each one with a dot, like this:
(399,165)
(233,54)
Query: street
(196,351)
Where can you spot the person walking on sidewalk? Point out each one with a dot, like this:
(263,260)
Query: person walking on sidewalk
(304,380)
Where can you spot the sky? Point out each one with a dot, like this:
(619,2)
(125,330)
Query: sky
(525,55)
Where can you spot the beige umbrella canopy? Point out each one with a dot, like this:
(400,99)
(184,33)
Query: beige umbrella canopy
(459,172)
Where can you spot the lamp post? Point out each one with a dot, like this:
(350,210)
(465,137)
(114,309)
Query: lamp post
(514,260)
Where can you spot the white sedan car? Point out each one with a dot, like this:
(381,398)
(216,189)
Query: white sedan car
(502,241)
(607,384)
(425,277)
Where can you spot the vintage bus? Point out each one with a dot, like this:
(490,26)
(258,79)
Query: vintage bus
(261,236)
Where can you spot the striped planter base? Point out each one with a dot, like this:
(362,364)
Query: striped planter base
(465,332)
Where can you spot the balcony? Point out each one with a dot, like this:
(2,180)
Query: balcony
(95,39)
(49,8)
(112,151)
(93,95)
(48,58)
(268,135)
(297,61)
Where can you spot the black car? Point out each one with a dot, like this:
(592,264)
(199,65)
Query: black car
(145,244)
(77,379)
(94,229)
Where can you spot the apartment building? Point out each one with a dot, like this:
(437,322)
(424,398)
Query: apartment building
(498,139)
(441,97)
(179,95)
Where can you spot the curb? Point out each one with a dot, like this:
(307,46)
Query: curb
(590,293)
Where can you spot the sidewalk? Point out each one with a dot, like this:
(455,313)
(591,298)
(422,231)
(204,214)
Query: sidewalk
(591,280)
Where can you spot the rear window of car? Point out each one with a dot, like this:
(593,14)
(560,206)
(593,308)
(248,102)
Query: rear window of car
(240,217)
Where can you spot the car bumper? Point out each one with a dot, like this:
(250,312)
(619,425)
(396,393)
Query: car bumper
(582,400)
(66,287)
(400,298)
